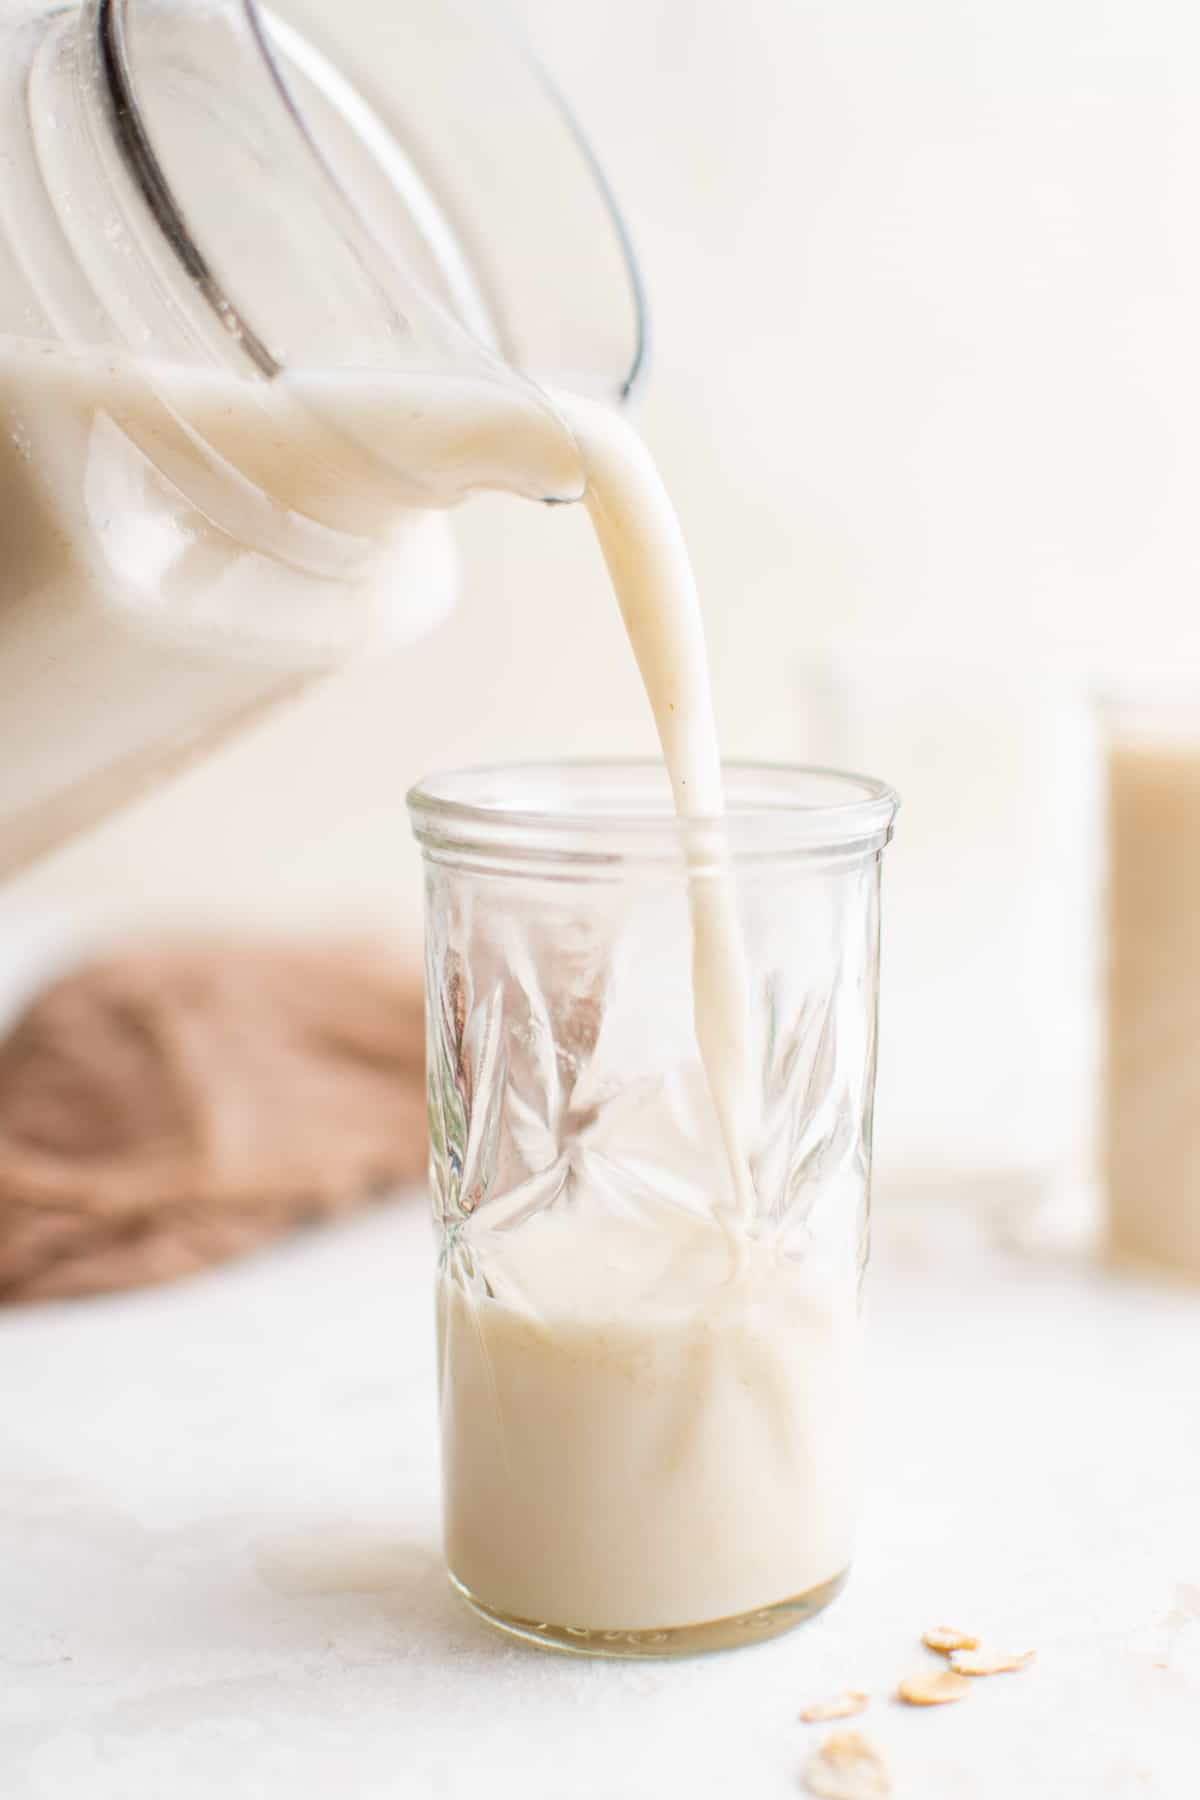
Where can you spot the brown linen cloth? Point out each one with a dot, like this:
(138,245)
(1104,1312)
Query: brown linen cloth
(164,1108)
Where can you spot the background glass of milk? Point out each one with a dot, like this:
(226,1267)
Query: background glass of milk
(650,1405)
(1150,1133)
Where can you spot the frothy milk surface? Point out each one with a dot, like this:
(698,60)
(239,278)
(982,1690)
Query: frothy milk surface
(636,1439)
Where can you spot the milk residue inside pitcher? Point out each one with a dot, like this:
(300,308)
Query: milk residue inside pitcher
(185,549)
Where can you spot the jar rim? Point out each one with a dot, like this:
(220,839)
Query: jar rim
(617,810)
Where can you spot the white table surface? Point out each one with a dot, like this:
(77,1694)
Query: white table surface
(220,1571)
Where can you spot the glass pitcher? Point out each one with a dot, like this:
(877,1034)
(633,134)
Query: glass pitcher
(268,283)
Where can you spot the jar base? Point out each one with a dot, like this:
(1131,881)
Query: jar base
(684,1640)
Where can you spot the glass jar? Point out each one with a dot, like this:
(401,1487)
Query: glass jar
(650,1414)
(228,240)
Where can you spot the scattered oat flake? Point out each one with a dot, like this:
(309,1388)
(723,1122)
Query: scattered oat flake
(933,1687)
(839,1706)
(945,1638)
(989,1662)
(847,1767)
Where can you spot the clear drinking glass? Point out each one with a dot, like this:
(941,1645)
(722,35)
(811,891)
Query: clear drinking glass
(650,1409)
